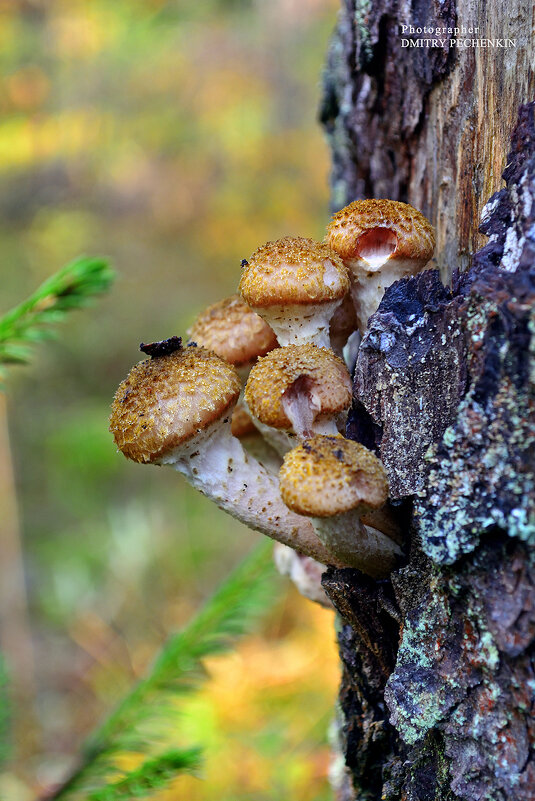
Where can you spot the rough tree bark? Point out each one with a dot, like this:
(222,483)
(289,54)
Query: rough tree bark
(438,691)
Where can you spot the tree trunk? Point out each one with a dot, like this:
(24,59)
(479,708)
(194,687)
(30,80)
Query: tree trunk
(438,688)
(427,125)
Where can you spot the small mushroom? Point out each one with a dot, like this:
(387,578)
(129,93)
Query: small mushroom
(380,241)
(233,331)
(303,571)
(335,481)
(296,285)
(175,409)
(299,388)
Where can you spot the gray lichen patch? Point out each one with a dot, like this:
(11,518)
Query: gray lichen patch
(482,473)
(444,651)
(464,675)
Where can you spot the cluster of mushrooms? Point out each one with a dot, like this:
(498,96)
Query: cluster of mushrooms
(252,409)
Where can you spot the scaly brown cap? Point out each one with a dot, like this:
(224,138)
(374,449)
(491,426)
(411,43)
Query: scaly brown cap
(293,270)
(397,228)
(327,476)
(167,399)
(303,368)
(233,331)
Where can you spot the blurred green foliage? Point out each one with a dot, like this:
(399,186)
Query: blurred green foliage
(174,137)
(149,715)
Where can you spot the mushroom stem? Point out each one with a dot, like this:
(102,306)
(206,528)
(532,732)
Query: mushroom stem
(357,545)
(216,464)
(368,291)
(256,445)
(280,441)
(297,323)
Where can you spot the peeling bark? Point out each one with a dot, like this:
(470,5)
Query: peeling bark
(438,691)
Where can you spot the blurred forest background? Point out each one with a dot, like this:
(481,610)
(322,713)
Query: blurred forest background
(173,138)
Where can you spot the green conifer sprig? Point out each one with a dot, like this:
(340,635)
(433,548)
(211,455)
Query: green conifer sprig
(152,775)
(31,321)
(142,719)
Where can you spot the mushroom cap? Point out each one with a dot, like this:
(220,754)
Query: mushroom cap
(294,271)
(241,423)
(233,331)
(318,371)
(165,401)
(326,476)
(414,236)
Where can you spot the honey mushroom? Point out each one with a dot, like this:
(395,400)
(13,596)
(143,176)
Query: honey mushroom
(175,409)
(379,241)
(296,285)
(235,333)
(335,481)
(298,390)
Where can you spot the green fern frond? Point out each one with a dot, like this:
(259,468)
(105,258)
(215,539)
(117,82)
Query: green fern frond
(152,775)
(70,288)
(140,722)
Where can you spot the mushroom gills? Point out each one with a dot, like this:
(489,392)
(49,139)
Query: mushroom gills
(376,246)
(301,403)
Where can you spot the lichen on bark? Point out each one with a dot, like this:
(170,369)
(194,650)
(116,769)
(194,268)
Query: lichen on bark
(444,392)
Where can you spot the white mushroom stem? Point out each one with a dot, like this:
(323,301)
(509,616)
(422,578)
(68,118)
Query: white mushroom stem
(351,350)
(296,324)
(370,278)
(215,463)
(259,448)
(281,441)
(303,571)
(357,545)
